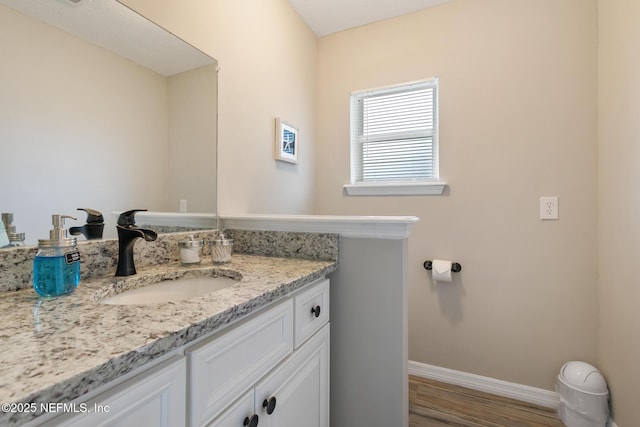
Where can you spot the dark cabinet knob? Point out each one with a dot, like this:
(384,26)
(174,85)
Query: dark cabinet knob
(270,405)
(251,422)
(315,311)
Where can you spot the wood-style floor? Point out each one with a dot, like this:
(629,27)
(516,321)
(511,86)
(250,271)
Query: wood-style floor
(435,404)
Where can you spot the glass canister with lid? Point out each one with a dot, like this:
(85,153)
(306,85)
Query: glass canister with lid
(190,251)
(221,249)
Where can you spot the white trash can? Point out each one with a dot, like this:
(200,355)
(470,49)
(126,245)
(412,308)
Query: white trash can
(584,397)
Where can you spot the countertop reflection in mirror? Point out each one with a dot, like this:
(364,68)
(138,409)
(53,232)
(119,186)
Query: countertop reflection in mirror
(101,108)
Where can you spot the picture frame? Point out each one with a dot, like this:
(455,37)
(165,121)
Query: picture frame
(286,142)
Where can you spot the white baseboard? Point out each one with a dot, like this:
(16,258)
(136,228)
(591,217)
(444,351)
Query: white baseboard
(537,396)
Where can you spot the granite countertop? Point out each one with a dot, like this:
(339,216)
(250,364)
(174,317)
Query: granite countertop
(56,350)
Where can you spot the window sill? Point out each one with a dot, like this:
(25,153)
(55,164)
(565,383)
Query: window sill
(395,189)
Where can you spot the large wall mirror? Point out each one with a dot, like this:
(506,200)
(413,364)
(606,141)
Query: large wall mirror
(101,108)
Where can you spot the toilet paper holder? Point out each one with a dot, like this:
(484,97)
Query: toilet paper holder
(455,267)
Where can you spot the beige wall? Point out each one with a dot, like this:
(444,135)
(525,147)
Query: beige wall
(518,121)
(619,204)
(192,129)
(267,58)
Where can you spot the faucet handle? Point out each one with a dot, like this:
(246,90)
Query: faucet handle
(127,219)
(93,216)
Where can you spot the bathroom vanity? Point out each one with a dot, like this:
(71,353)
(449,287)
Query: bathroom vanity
(272,367)
(256,350)
(40,348)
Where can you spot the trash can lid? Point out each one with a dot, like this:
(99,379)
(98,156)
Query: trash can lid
(583,377)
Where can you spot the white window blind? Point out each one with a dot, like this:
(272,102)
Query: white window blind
(394,133)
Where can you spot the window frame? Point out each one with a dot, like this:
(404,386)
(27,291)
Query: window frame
(409,186)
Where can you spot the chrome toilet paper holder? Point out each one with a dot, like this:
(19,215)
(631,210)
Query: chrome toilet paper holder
(455,267)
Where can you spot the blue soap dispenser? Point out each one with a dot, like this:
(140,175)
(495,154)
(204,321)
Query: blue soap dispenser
(56,267)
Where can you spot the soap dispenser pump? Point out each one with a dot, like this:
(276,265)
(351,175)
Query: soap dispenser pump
(15,238)
(56,267)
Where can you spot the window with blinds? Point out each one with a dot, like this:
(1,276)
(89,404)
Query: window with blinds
(394,133)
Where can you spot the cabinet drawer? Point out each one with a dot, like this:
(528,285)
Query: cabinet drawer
(226,367)
(311,311)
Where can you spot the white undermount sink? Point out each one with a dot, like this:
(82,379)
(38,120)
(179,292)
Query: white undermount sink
(171,290)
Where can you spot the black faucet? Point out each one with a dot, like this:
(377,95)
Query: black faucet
(128,233)
(93,228)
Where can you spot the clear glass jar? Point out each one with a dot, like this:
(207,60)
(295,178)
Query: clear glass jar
(190,251)
(56,270)
(16,239)
(221,249)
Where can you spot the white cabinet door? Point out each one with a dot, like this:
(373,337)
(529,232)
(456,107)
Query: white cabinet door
(223,369)
(155,398)
(239,414)
(297,393)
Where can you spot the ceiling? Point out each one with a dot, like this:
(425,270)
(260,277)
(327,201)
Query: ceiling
(115,27)
(329,16)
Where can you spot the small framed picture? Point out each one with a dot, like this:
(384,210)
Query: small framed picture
(286,142)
